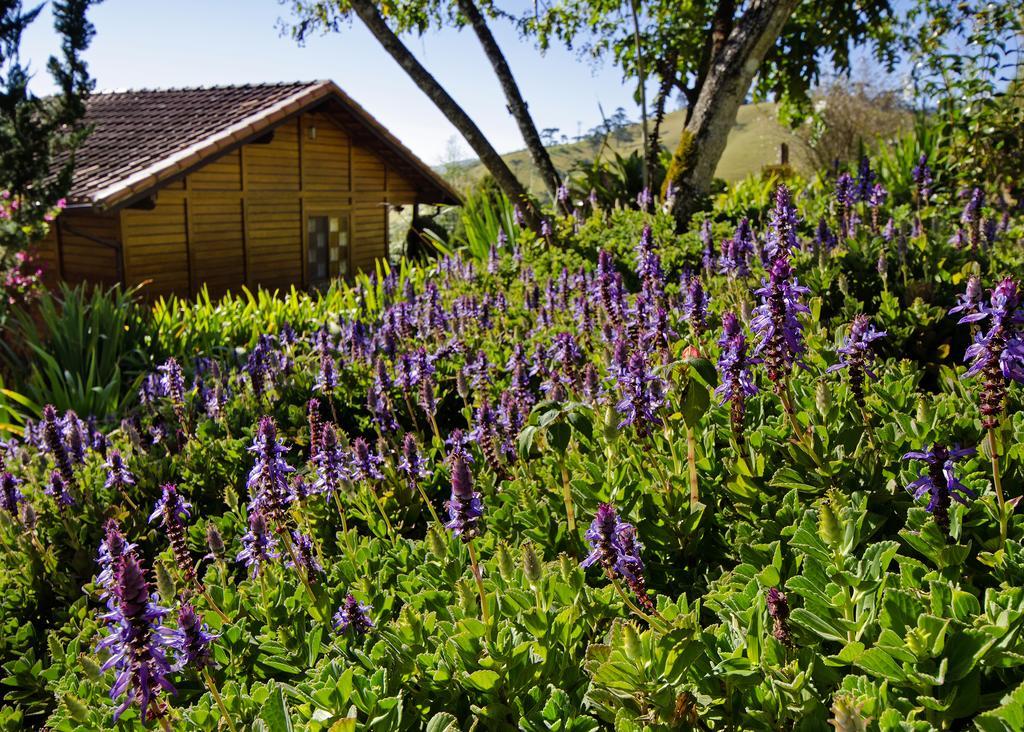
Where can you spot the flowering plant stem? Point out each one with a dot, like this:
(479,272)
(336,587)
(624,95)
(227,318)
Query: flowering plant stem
(428,504)
(802,437)
(213,605)
(71,534)
(344,524)
(265,594)
(662,475)
(212,686)
(997,481)
(479,583)
(383,513)
(650,620)
(434,428)
(570,511)
(867,427)
(691,461)
(315,611)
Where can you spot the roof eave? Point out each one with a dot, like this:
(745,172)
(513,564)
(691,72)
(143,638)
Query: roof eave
(148,180)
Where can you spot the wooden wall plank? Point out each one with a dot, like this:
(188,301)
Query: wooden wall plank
(275,165)
(84,259)
(156,247)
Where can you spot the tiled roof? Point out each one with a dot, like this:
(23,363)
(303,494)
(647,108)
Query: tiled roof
(142,138)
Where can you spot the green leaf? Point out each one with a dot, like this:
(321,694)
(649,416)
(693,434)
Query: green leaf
(275,712)
(695,402)
(769,576)
(559,434)
(818,625)
(443,722)
(877,662)
(484,680)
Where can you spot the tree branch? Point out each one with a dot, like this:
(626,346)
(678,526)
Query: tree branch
(517,106)
(367,12)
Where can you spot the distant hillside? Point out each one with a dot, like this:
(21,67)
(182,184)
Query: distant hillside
(753,143)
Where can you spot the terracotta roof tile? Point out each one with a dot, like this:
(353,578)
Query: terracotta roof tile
(142,137)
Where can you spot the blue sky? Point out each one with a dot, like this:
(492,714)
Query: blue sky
(150,43)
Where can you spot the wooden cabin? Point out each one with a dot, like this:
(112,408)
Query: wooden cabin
(266,185)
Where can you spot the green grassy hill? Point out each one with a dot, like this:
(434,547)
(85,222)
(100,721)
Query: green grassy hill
(753,143)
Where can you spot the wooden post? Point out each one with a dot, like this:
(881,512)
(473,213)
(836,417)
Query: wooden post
(783,153)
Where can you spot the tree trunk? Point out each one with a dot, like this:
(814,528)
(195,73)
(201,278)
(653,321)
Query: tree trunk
(730,73)
(642,79)
(506,179)
(668,80)
(517,106)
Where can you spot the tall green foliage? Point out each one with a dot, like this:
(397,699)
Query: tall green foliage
(484,214)
(80,349)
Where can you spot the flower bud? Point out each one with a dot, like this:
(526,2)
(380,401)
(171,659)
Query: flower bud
(828,524)
(467,597)
(631,641)
(90,667)
(436,544)
(77,710)
(611,422)
(215,542)
(924,411)
(28,516)
(531,565)
(505,566)
(823,397)
(164,582)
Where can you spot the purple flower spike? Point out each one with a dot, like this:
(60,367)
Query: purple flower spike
(604,537)
(782,225)
(695,306)
(258,545)
(972,217)
(58,490)
(412,465)
(465,507)
(268,480)
(614,546)
(969,303)
(54,440)
(137,642)
(327,376)
(305,556)
(173,385)
(643,394)
(112,548)
(365,464)
(940,482)
(119,477)
(192,639)
(331,464)
(855,354)
(172,511)
(775,320)
(997,354)
(353,615)
(10,496)
(734,367)
(922,175)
